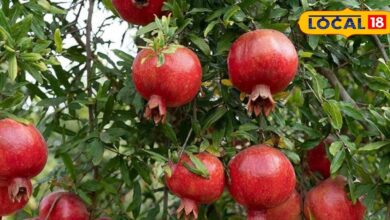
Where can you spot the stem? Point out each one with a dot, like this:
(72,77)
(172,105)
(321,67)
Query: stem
(381,47)
(165,205)
(329,74)
(185,143)
(90,77)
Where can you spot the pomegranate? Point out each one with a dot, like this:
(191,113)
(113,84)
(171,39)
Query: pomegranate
(193,189)
(64,206)
(23,155)
(261,63)
(172,84)
(318,160)
(139,12)
(329,200)
(289,210)
(13,199)
(261,178)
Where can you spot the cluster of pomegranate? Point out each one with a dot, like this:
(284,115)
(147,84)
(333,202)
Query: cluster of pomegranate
(23,156)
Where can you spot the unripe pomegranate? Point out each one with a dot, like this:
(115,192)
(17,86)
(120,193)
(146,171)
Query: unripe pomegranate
(261,178)
(289,210)
(329,200)
(64,206)
(171,84)
(14,198)
(140,12)
(261,63)
(193,189)
(318,160)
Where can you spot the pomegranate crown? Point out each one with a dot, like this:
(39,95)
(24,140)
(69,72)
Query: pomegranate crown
(162,43)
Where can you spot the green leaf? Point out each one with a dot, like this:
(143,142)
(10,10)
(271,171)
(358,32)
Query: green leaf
(12,101)
(68,162)
(210,27)
(335,147)
(58,40)
(146,29)
(200,43)
(337,161)
(198,167)
(143,170)
(169,132)
(96,150)
(313,41)
(214,117)
(12,67)
(351,111)
(331,107)
(375,146)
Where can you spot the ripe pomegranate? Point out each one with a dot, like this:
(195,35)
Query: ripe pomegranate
(289,210)
(13,199)
(329,200)
(64,206)
(261,178)
(318,160)
(261,63)
(193,189)
(23,155)
(174,83)
(139,12)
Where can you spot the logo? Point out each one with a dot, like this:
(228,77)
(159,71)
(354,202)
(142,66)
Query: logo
(346,22)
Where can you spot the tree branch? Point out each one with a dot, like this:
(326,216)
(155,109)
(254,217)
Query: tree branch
(329,74)
(90,78)
(381,47)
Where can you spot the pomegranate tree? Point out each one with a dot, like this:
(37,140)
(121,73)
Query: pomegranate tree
(261,177)
(172,83)
(64,206)
(13,199)
(318,160)
(261,63)
(328,200)
(289,210)
(23,156)
(139,12)
(194,189)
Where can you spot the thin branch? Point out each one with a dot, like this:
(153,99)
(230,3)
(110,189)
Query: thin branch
(329,74)
(381,47)
(183,147)
(90,77)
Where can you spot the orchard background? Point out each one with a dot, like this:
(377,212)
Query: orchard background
(58,70)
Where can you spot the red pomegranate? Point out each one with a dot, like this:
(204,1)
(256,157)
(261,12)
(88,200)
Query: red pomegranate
(64,206)
(193,189)
(329,200)
(261,63)
(318,160)
(289,210)
(23,155)
(14,199)
(261,177)
(174,83)
(139,12)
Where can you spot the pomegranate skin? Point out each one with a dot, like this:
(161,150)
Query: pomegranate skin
(318,160)
(23,149)
(328,200)
(9,206)
(261,177)
(289,210)
(261,63)
(67,206)
(262,57)
(139,12)
(193,189)
(176,82)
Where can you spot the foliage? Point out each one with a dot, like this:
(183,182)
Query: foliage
(115,160)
